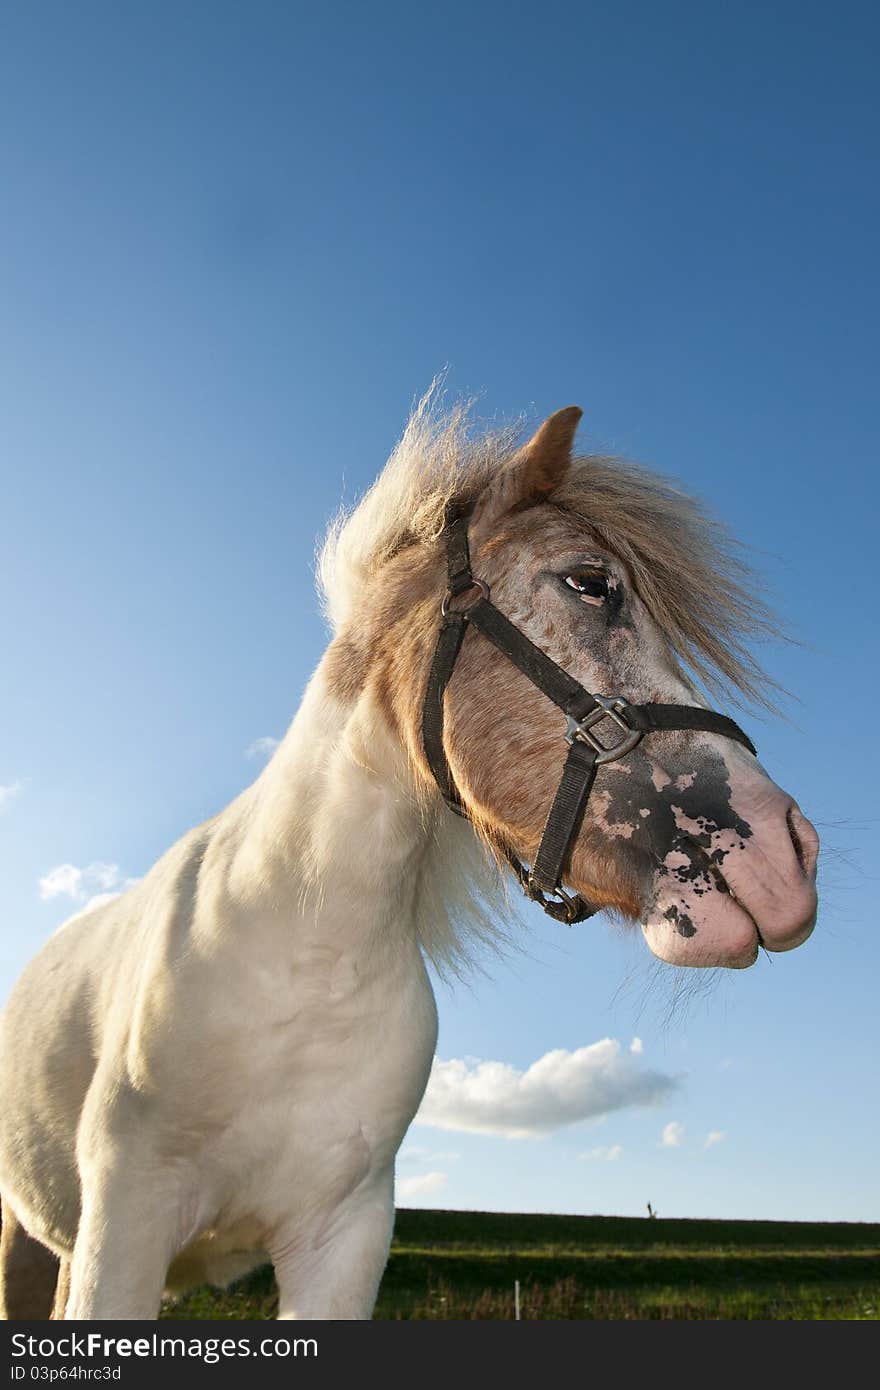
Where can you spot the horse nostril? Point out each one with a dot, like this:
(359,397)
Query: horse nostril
(795,839)
(804,840)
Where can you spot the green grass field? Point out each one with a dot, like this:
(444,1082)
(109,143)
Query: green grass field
(462,1265)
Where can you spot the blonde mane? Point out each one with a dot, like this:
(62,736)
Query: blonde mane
(686,567)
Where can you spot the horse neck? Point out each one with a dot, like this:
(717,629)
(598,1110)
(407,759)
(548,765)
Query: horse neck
(334,825)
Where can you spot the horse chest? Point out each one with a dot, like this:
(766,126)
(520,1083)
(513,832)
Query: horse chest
(314,1045)
(318,1091)
(344,1035)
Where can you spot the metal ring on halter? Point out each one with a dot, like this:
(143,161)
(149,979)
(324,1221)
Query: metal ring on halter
(565,907)
(610,707)
(449,595)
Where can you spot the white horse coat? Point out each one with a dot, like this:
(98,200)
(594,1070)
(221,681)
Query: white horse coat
(266,1052)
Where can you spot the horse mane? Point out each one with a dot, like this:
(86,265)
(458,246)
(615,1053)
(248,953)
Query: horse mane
(688,570)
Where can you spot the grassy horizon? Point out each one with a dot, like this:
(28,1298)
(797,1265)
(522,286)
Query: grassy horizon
(462,1265)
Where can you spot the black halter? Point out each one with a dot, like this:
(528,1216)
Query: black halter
(583,711)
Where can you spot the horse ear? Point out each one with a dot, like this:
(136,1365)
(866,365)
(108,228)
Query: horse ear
(534,471)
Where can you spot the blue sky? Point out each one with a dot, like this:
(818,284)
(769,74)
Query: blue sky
(236,241)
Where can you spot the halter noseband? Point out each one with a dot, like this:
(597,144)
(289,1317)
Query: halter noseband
(583,710)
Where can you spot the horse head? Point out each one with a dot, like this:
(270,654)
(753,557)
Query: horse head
(625,584)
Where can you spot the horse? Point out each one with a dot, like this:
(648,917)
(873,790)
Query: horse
(218,1067)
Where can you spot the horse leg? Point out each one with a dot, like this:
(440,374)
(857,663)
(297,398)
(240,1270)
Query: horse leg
(28,1272)
(126,1240)
(62,1291)
(335,1272)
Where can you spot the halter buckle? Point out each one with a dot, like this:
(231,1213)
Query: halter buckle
(611,707)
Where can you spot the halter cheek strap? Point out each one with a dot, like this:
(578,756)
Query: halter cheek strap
(583,710)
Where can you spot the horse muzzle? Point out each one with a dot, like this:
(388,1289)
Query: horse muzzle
(748,893)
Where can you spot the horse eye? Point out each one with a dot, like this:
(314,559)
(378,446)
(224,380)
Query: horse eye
(588,583)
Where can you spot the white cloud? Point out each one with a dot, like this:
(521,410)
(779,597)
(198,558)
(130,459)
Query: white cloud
(68,881)
(9,792)
(561,1088)
(608,1154)
(412,1154)
(715,1136)
(262,747)
(672,1135)
(64,880)
(637,1046)
(422,1186)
